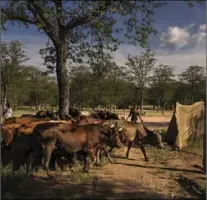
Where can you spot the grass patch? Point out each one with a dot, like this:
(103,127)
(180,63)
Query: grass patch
(77,175)
(195,147)
(158,155)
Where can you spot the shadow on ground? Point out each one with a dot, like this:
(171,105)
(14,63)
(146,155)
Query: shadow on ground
(193,188)
(42,188)
(164,168)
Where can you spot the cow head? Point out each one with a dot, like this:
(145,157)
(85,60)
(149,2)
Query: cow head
(116,135)
(154,139)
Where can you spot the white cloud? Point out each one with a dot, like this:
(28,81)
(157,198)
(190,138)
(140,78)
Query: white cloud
(178,37)
(175,36)
(202,27)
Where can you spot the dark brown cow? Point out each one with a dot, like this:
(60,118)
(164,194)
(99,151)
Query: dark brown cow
(73,138)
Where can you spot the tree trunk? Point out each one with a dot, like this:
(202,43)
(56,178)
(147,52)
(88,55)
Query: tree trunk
(114,106)
(204,144)
(163,107)
(141,99)
(158,105)
(63,80)
(5,96)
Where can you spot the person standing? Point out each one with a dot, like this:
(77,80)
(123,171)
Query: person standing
(8,112)
(134,113)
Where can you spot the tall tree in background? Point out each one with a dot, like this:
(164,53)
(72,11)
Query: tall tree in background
(12,55)
(69,22)
(139,68)
(160,81)
(195,77)
(114,83)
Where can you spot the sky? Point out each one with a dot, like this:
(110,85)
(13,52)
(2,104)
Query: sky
(180,42)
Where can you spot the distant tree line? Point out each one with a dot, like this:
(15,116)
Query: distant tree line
(102,84)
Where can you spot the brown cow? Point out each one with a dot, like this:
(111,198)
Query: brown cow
(8,131)
(72,138)
(138,132)
(17,150)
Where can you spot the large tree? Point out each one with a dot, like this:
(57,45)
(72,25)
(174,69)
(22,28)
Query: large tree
(139,68)
(195,77)
(69,22)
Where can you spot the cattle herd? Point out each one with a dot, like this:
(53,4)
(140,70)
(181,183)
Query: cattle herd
(43,140)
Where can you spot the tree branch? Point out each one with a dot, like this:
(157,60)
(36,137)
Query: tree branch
(48,30)
(59,9)
(40,11)
(10,16)
(88,17)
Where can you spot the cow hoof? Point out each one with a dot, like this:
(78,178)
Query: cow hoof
(147,160)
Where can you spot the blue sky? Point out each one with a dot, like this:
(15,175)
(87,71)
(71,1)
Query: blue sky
(181,40)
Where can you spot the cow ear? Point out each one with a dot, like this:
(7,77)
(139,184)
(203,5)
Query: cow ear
(120,129)
(112,126)
(105,123)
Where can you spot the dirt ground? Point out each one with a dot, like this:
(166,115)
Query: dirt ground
(167,175)
(170,175)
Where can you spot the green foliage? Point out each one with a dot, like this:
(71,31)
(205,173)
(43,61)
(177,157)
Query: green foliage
(161,83)
(195,77)
(90,24)
(12,55)
(24,84)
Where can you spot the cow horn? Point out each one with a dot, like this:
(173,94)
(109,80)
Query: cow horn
(105,123)
(112,126)
(120,129)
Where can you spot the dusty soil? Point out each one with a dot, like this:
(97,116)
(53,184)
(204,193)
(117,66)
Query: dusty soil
(167,175)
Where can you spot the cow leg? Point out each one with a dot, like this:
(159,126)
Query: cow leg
(93,157)
(29,163)
(143,150)
(85,158)
(98,156)
(15,167)
(110,150)
(108,155)
(129,147)
(47,156)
